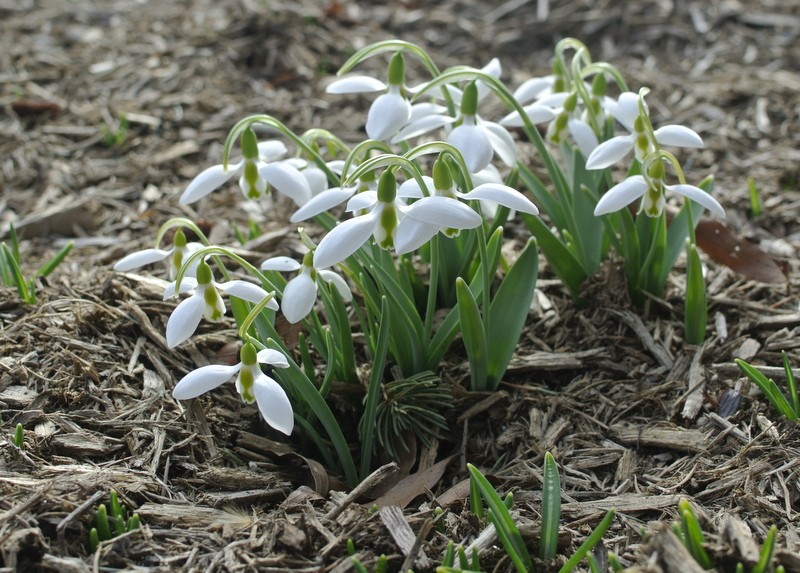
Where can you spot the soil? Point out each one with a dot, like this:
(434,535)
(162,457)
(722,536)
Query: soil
(110,108)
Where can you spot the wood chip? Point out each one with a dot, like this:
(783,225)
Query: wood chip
(661,436)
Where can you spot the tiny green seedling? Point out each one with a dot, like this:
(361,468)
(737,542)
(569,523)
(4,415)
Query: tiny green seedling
(788,406)
(11,271)
(109,526)
(755,199)
(18,437)
(116,136)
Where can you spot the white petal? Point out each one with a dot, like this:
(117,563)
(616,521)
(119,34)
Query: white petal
(493,68)
(246,291)
(412,234)
(678,135)
(530,89)
(536,112)
(699,196)
(322,202)
(274,405)
(473,143)
(626,109)
(184,320)
(355,85)
(444,212)
(489,174)
(387,115)
(338,282)
(609,152)
(188,284)
(317,180)
(272,357)
(288,180)
(411,190)
(299,297)
(502,142)
(280,264)
(621,195)
(503,195)
(271,150)
(363,200)
(420,110)
(208,180)
(583,136)
(141,258)
(421,126)
(553,100)
(344,240)
(203,379)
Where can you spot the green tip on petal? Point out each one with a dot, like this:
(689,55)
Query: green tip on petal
(397,69)
(249,144)
(179,240)
(469,101)
(248,354)
(442,177)
(599,85)
(387,187)
(204,275)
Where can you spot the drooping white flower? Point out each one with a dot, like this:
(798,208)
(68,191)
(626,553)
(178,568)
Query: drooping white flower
(173,256)
(627,112)
(384,212)
(205,301)
(330,198)
(653,198)
(253,385)
(391,110)
(300,293)
(258,170)
(477,139)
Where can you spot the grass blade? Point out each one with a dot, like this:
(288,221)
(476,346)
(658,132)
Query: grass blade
(551,509)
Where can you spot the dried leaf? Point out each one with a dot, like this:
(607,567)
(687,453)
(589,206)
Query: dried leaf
(416,484)
(738,254)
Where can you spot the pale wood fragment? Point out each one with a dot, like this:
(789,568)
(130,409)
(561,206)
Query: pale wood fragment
(661,436)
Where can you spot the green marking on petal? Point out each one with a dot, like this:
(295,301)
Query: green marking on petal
(211,297)
(245,384)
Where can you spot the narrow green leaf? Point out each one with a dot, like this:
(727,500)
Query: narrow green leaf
(693,535)
(790,381)
(507,530)
(50,266)
(473,335)
(766,551)
(590,543)
(696,310)
(103,529)
(568,268)
(367,426)
(16,274)
(295,378)
(510,311)
(94,539)
(551,509)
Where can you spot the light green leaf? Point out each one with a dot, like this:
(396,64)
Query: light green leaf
(551,509)
(473,334)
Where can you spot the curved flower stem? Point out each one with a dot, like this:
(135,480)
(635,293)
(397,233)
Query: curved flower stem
(608,69)
(214,250)
(362,151)
(253,315)
(389,161)
(580,86)
(189,224)
(310,136)
(580,49)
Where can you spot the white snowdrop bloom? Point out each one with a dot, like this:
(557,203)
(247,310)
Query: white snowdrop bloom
(300,293)
(257,171)
(640,139)
(205,301)
(173,256)
(253,385)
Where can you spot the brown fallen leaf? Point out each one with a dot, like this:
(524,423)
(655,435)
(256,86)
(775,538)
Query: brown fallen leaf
(416,484)
(721,244)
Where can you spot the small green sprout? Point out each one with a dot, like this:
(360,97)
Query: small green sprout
(109,526)
(787,406)
(116,136)
(755,200)
(18,437)
(11,272)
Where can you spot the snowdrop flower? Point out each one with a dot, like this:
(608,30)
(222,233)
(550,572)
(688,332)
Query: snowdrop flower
(256,172)
(253,385)
(174,257)
(652,189)
(205,301)
(641,138)
(391,110)
(300,293)
(477,139)
(384,212)
(442,211)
